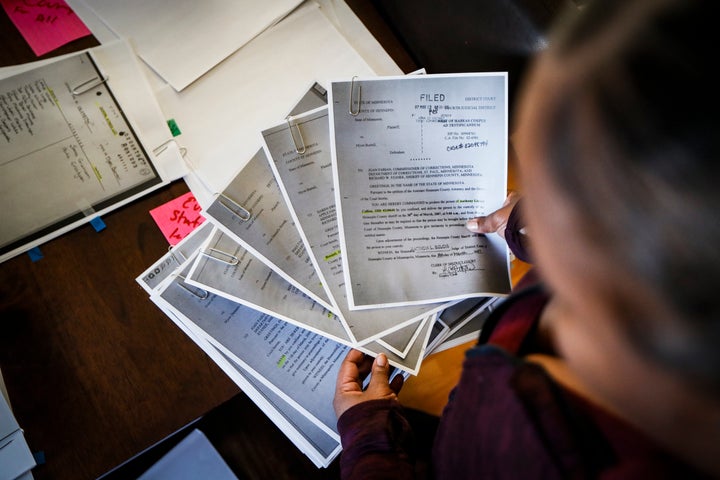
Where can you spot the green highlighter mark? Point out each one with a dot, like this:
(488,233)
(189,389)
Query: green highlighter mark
(282,361)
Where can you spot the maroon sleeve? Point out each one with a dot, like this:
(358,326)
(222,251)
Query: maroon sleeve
(517,240)
(376,440)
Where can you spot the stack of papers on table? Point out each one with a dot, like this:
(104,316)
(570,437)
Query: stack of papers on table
(16,460)
(82,135)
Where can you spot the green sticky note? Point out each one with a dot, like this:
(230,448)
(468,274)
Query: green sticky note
(174,129)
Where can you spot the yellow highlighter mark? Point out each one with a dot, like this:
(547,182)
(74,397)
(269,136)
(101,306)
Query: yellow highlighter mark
(107,119)
(282,361)
(378,210)
(332,255)
(52,94)
(97,173)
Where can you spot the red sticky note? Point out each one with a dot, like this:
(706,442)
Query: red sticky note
(45,24)
(178,217)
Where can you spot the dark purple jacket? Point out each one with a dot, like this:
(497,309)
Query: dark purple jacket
(506,419)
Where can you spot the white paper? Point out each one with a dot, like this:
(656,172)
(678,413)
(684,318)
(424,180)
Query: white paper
(182,40)
(192,458)
(358,36)
(422,155)
(222,114)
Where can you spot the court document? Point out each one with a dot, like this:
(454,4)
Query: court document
(299,153)
(414,157)
(237,276)
(226,268)
(73,144)
(320,446)
(298,365)
(251,210)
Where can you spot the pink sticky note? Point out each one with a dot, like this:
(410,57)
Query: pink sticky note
(45,24)
(178,217)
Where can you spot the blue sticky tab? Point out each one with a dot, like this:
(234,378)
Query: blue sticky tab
(39,457)
(35,254)
(97,224)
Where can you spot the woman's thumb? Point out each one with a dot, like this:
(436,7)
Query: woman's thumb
(380,370)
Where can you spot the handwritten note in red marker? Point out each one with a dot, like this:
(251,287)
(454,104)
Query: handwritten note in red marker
(45,24)
(178,217)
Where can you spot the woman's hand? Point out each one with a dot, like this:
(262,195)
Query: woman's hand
(497,220)
(353,370)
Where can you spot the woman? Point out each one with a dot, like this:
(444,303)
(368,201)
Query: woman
(605,361)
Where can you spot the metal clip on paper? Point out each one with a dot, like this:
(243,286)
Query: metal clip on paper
(352,112)
(301,148)
(220,256)
(198,292)
(171,249)
(235,208)
(88,85)
(163,146)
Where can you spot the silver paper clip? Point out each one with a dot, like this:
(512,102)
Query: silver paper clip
(231,259)
(235,208)
(298,149)
(198,292)
(359,97)
(163,146)
(171,249)
(89,85)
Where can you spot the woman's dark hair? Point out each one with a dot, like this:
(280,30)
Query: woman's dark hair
(633,145)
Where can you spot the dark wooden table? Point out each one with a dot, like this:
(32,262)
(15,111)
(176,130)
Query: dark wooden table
(95,372)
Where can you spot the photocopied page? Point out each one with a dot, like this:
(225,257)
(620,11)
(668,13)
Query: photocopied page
(153,276)
(236,276)
(227,269)
(397,342)
(456,315)
(78,137)
(411,359)
(414,157)
(320,447)
(299,365)
(251,210)
(299,154)
(313,441)
(464,324)
(468,332)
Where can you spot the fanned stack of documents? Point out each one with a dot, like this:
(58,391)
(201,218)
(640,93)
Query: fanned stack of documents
(263,286)
(335,208)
